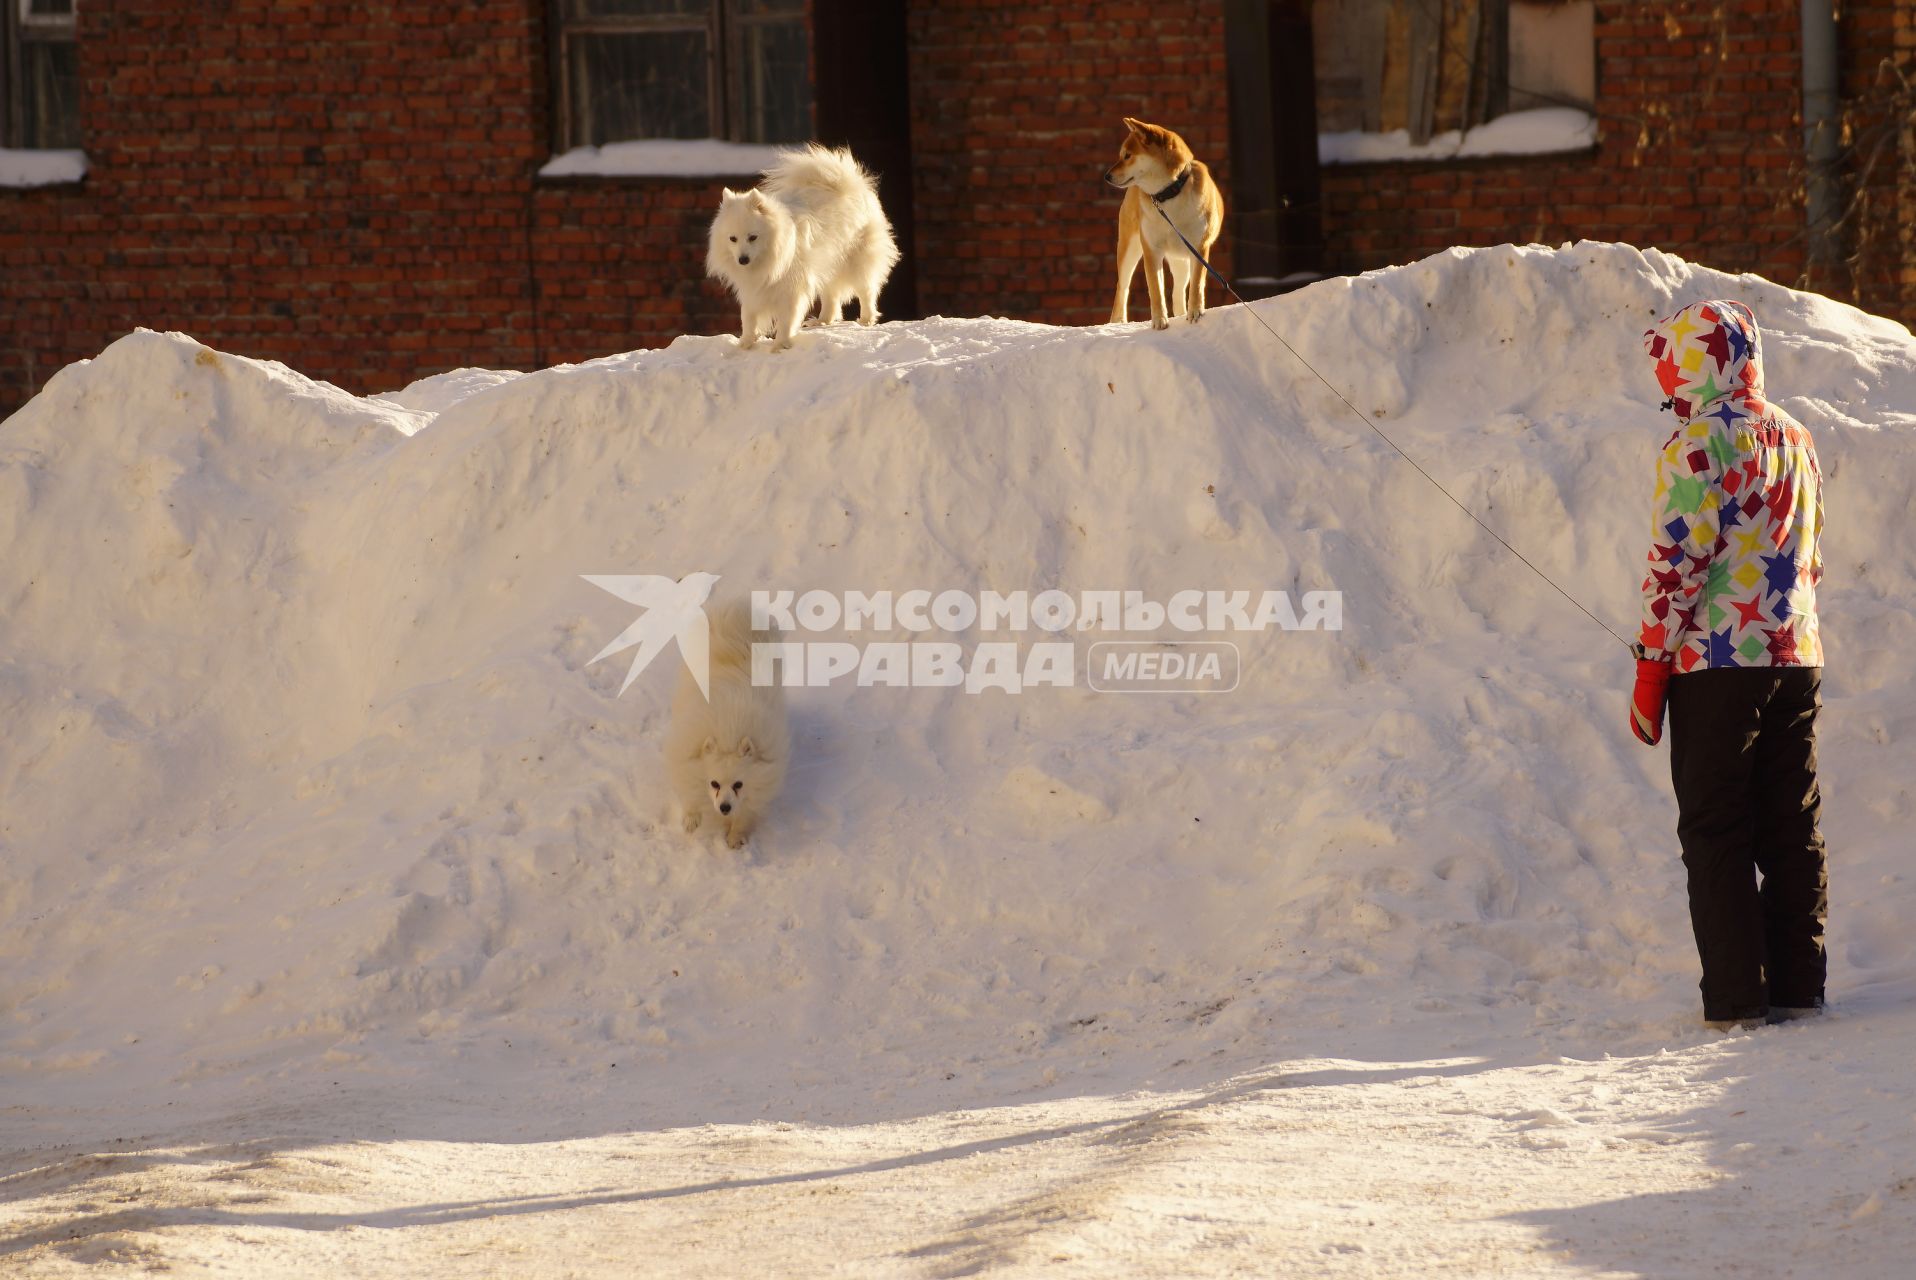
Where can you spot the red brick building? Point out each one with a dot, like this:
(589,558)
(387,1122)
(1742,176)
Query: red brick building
(357,190)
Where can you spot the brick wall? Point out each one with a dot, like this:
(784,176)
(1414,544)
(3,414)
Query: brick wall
(349,189)
(352,190)
(1697,133)
(1017,112)
(1699,153)
(621,264)
(1879,91)
(333,186)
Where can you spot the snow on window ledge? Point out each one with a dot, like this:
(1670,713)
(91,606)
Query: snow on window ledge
(40,168)
(675,158)
(1521,133)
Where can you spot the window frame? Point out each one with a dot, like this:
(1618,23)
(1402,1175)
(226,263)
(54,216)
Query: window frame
(19,27)
(1431,55)
(725,25)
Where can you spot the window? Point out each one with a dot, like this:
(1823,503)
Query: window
(736,70)
(40,76)
(1424,79)
(1551,54)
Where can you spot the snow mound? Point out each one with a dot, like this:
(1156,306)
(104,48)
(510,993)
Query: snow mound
(306,772)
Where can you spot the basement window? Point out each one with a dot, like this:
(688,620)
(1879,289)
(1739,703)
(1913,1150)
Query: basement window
(39,93)
(729,74)
(1441,79)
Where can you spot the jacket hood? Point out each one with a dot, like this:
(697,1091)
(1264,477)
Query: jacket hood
(1704,353)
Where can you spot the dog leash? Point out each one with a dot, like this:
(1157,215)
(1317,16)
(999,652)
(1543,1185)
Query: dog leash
(1365,419)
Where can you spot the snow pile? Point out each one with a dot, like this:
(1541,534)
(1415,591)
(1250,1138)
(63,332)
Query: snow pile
(306,775)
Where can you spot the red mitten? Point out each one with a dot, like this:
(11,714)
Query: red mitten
(1647,699)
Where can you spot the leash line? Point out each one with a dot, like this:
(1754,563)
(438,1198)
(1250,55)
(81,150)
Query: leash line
(1364,418)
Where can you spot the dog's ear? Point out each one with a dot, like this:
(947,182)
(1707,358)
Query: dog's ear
(710,748)
(758,197)
(747,748)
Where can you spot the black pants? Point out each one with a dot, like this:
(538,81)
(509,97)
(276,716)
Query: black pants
(1743,758)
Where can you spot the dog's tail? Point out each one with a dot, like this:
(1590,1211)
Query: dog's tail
(819,171)
(732,636)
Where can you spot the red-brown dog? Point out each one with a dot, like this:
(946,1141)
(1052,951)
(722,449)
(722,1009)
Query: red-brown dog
(1158,172)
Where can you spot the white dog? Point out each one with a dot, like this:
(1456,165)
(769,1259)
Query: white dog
(727,754)
(812,230)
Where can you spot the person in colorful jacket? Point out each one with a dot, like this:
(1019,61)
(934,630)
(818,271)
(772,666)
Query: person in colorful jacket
(1729,640)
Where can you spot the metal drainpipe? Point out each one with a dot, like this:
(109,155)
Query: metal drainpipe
(1821,128)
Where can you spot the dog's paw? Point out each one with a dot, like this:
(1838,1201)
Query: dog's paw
(735,840)
(1195,316)
(693,818)
(1160,322)
(746,344)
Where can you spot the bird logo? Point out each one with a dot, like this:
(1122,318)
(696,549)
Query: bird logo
(673,610)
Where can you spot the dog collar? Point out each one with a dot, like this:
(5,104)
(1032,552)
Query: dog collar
(1171,192)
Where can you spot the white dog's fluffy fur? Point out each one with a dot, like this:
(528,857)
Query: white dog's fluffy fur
(813,230)
(727,755)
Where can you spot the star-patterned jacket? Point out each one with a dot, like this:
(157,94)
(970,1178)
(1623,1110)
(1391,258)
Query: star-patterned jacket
(1738,511)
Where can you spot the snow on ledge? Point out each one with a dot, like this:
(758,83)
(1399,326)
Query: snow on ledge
(1521,133)
(681,158)
(40,168)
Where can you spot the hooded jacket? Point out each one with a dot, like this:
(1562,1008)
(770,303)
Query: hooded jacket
(1738,510)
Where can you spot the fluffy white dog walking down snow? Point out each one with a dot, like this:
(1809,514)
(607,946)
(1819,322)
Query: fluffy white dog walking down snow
(812,230)
(726,754)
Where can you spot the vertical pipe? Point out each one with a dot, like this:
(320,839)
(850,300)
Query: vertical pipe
(1821,127)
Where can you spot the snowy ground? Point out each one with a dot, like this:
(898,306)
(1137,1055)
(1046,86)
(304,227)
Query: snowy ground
(1778,1154)
(347,929)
